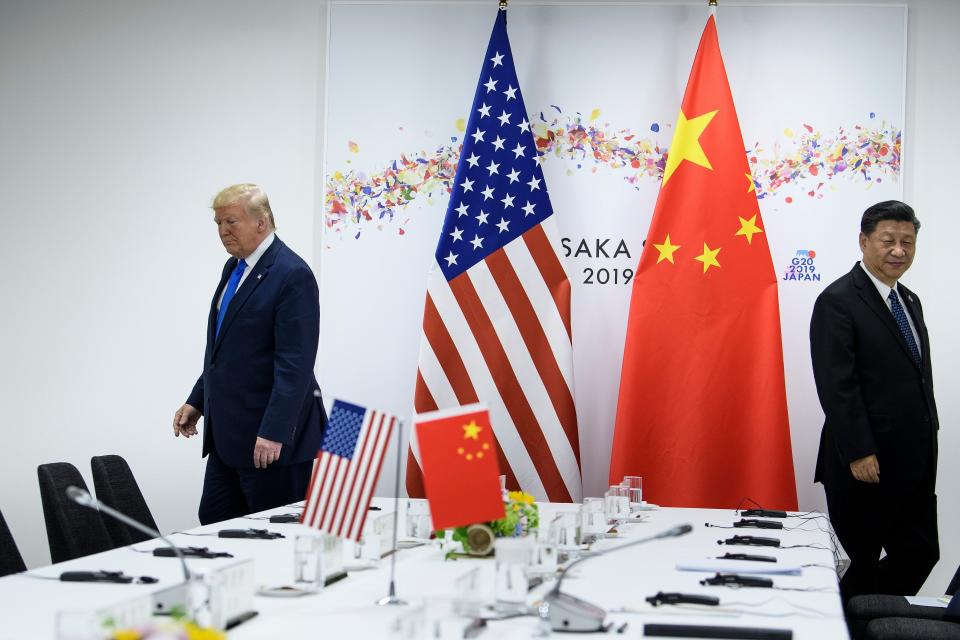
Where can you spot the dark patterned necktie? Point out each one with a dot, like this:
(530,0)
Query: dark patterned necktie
(901,317)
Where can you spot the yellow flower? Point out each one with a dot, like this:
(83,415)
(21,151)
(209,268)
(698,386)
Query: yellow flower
(199,633)
(520,496)
(126,634)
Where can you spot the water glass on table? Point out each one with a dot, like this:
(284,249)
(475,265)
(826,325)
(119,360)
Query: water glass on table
(616,503)
(593,520)
(512,556)
(544,558)
(634,485)
(308,562)
(566,528)
(419,525)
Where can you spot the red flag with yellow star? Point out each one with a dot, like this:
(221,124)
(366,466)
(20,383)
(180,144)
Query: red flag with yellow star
(460,471)
(702,412)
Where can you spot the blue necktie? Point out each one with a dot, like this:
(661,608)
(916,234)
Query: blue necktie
(901,317)
(230,291)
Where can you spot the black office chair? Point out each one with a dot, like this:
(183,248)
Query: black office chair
(912,629)
(10,559)
(889,617)
(72,531)
(116,487)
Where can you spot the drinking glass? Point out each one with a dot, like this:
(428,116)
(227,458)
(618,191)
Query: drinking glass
(635,485)
(512,557)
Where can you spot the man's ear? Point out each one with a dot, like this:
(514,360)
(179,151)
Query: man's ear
(863,241)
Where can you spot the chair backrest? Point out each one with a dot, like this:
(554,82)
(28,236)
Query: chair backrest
(72,531)
(10,559)
(116,487)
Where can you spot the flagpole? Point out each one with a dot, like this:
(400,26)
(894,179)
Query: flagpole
(391,597)
(713,7)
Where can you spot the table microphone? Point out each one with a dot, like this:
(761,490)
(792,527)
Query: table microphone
(165,600)
(570,613)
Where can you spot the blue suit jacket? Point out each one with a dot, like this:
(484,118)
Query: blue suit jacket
(258,375)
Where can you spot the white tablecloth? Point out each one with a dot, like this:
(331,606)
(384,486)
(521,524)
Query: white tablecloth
(808,603)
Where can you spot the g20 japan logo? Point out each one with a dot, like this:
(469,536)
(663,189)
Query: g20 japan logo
(802,267)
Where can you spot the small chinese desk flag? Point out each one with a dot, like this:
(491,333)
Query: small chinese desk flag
(460,471)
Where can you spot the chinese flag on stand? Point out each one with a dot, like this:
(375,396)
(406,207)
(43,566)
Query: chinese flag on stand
(460,471)
(702,412)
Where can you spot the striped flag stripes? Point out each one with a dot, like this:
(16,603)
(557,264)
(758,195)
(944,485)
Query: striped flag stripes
(346,470)
(496,322)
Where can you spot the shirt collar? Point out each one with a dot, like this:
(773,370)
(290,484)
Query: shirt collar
(252,259)
(882,287)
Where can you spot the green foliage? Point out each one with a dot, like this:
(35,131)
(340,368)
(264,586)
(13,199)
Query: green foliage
(521,516)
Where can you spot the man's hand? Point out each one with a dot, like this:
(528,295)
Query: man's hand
(866,469)
(185,421)
(265,452)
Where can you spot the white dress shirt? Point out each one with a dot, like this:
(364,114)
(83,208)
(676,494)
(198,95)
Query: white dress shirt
(251,261)
(884,292)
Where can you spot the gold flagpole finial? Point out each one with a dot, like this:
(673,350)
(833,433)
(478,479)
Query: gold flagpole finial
(711,3)
(503,5)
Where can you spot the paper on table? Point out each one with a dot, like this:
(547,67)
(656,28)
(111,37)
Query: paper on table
(924,601)
(737,566)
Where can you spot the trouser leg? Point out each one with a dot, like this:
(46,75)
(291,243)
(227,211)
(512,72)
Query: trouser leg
(222,497)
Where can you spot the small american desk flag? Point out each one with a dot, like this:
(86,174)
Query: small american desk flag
(346,470)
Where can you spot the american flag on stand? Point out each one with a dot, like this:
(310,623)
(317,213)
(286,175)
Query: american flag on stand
(496,323)
(346,470)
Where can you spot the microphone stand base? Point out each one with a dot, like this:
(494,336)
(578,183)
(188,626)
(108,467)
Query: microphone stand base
(171,600)
(569,613)
(390,600)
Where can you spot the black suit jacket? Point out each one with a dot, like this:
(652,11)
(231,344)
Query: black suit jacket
(258,377)
(875,397)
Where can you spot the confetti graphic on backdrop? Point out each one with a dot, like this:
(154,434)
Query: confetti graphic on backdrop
(807,160)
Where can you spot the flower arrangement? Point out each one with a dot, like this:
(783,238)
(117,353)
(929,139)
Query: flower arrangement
(166,630)
(521,516)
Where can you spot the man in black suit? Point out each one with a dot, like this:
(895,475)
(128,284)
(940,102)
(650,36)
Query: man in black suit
(878,448)
(258,394)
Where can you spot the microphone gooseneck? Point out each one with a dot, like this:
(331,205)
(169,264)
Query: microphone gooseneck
(673,532)
(79,496)
(573,614)
(84,499)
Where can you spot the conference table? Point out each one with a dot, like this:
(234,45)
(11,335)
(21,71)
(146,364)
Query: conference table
(806,603)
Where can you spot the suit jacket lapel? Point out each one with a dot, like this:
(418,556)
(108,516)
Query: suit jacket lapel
(869,294)
(249,285)
(913,308)
(212,319)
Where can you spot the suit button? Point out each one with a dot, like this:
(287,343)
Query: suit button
(923,380)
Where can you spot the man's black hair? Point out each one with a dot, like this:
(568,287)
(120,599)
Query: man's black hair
(888,210)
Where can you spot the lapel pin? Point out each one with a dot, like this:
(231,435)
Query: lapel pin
(259,276)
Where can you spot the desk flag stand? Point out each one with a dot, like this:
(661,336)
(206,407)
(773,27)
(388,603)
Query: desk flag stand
(391,597)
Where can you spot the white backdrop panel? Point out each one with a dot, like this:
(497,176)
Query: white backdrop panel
(819,91)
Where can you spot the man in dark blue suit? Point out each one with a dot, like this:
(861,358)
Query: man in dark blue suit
(263,413)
